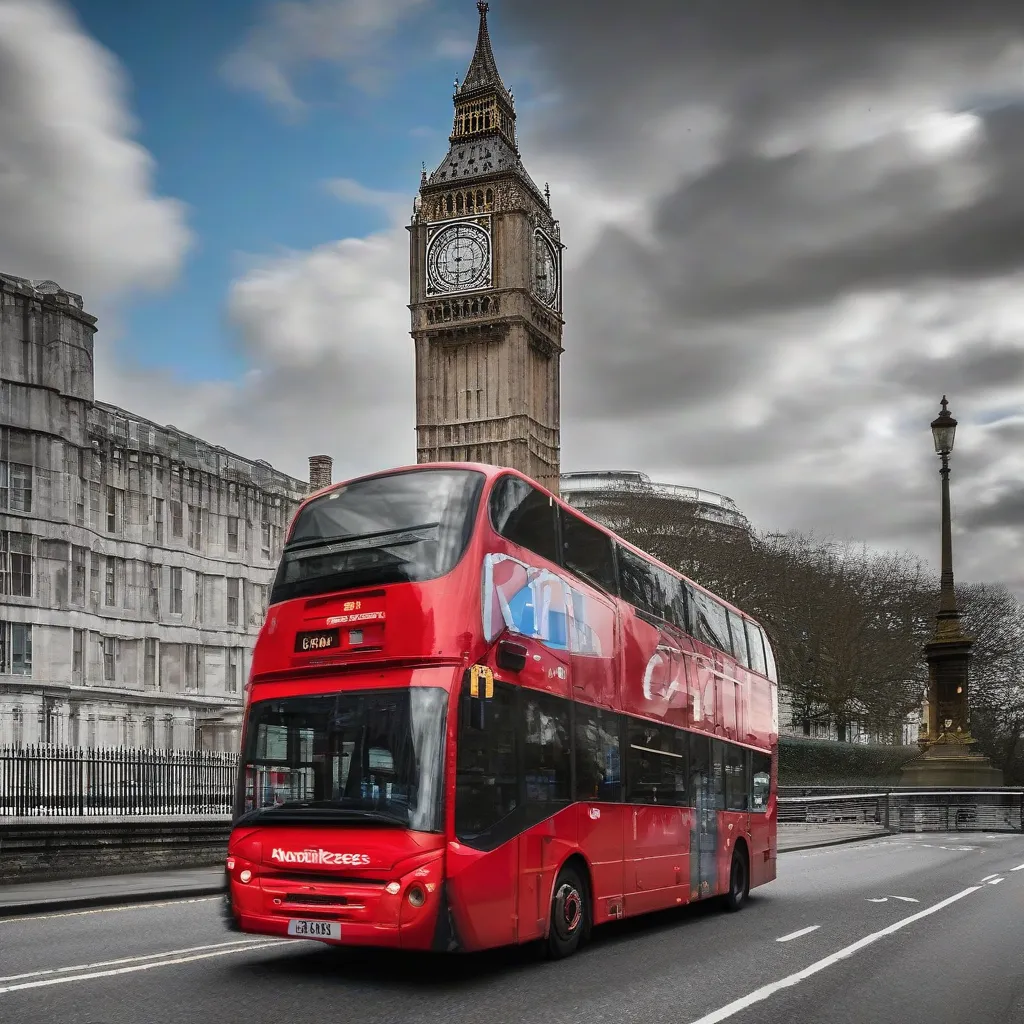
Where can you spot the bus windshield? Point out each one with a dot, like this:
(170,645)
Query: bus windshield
(370,757)
(399,528)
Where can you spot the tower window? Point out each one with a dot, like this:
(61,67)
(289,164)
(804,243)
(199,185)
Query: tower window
(490,197)
(448,204)
(480,199)
(469,201)
(458,203)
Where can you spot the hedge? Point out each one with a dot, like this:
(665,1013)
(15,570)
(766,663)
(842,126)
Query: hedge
(810,762)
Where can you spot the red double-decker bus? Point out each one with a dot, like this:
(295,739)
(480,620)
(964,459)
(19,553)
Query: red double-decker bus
(475,718)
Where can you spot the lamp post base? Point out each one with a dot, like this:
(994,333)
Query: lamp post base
(951,764)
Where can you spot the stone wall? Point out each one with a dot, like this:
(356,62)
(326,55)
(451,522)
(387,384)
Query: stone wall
(76,848)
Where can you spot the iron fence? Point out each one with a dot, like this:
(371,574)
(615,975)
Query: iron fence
(53,781)
(912,809)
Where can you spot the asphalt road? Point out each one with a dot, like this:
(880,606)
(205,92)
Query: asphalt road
(904,929)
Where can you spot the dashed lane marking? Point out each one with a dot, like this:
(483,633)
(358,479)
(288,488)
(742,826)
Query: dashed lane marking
(759,995)
(796,935)
(125,960)
(1019,867)
(149,965)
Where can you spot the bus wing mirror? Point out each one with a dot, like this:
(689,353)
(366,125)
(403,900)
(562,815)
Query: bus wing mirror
(511,656)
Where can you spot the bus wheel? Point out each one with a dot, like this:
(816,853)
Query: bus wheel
(739,880)
(570,913)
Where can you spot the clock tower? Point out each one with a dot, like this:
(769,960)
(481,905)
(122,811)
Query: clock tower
(486,291)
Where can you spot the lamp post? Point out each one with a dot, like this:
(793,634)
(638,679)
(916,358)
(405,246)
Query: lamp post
(947,758)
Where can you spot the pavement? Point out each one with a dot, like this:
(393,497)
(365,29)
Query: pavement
(111,890)
(920,929)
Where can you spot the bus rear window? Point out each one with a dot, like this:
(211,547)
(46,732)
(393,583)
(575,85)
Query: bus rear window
(398,528)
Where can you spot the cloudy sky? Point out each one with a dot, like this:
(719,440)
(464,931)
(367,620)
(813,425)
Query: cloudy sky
(791,228)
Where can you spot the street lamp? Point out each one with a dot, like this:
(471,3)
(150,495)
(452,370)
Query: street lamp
(947,740)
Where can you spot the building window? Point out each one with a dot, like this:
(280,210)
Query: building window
(149,670)
(233,601)
(80,503)
(232,533)
(195,527)
(111,510)
(168,732)
(16,460)
(109,654)
(149,732)
(265,539)
(74,736)
(78,654)
(175,591)
(78,575)
(16,564)
(200,605)
(19,727)
(231,684)
(176,521)
(154,590)
(110,583)
(194,669)
(15,648)
(158,520)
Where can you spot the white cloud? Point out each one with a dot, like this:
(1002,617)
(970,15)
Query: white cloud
(75,189)
(296,33)
(396,204)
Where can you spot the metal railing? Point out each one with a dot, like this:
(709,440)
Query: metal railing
(52,781)
(912,809)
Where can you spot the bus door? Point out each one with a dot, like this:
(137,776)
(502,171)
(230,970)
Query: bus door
(704,822)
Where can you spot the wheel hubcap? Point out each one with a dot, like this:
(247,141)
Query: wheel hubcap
(568,910)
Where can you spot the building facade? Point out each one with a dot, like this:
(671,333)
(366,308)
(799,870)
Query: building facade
(135,559)
(486,292)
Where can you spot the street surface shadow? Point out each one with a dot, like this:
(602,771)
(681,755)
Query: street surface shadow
(417,971)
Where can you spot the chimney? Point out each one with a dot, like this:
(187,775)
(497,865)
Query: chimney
(320,471)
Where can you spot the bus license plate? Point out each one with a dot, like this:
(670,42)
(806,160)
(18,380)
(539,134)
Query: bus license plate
(317,640)
(314,929)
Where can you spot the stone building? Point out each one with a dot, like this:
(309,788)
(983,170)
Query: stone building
(135,559)
(486,291)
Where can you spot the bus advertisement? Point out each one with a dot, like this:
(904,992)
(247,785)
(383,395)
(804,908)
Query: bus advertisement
(477,718)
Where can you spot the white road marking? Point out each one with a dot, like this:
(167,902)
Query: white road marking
(759,995)
(996,881)
(1019,867)
(906,899)
(995,874)
(127,960)
(46,982)
(17,919)
(883,899)
(796,935)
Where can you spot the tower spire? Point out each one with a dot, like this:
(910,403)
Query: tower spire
(483,69)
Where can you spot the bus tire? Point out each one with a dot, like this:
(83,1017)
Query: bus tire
(739,879)
(570,913)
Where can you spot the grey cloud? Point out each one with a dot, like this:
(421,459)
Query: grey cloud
(977,365)
(1006,510)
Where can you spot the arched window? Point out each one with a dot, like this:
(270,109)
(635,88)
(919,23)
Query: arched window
(485,304)
(458,203)
(469,201)
(479,198)
(490,197)
(448,204)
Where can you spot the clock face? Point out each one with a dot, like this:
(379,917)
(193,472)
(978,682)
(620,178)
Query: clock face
(545,270)
(459,259)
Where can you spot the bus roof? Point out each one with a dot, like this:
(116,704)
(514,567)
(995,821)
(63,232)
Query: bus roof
(491,473)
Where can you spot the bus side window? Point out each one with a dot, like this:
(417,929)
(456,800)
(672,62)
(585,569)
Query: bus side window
(486,771)
(761,780)
(522,514)
(588,552)
(769,657)
(755,647)
(598,762)
(739,639)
